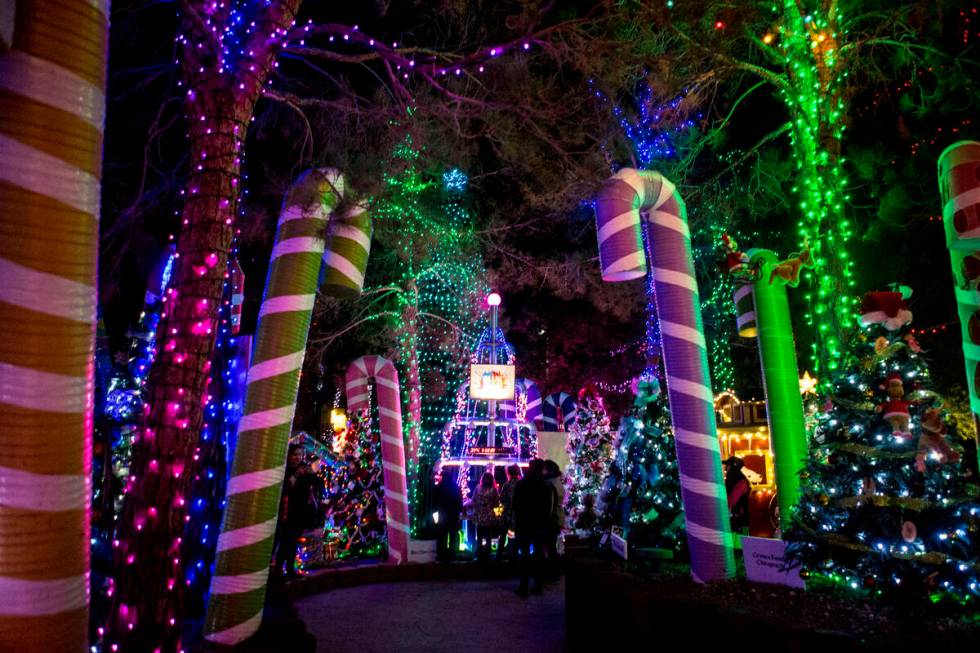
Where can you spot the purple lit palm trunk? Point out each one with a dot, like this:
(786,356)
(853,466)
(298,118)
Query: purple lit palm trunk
(622,258)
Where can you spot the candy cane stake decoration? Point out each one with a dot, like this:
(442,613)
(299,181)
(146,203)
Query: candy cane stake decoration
(770,322)
(249,524)
(52,75)
(385,377)
(549,411)
(959,186)
(621,254)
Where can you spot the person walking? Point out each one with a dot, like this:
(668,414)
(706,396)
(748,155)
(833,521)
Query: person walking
(533,503)
(447,501)
(485,504)
(552,475)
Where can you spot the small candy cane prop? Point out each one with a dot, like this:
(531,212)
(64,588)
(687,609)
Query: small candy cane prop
(622,257)
(385,376)
(549,411)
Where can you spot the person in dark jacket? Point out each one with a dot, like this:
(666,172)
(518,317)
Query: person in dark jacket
(298,509)
(447,502)
(533,504)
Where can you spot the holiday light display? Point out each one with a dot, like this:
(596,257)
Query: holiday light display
(215,450)
(53,83)
(810,42)
(644,492)
(226,53)
(766,300)
(385,377)
(959,183)
(432,289)
(590,454)
(480,435)
(354,506)
(622,257)
(316,199)
(886,508)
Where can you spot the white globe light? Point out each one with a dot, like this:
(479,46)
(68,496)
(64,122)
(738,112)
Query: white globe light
(493,299)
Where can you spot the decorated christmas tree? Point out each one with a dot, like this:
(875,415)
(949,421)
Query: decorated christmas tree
(643,491)
(354,496)
(886,505)
(590,454)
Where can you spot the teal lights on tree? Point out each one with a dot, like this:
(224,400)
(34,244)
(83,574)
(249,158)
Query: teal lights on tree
(885,507)
(644,489)
(432,285)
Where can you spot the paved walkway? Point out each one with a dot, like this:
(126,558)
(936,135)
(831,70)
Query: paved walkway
(437,617)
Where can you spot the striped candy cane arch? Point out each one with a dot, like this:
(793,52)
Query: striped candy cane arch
(622,257)
(52,81)
(549,411)
(529,389)
(385,377)
(310,217)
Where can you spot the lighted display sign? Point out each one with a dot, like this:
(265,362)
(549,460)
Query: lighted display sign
(492,381)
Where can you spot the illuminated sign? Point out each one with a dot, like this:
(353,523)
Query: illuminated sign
(491,451)
(491,381)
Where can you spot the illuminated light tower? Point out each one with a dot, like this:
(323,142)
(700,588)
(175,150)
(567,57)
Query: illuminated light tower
(489,401)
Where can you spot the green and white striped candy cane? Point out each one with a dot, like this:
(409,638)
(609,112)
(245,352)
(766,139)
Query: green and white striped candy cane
(309,217)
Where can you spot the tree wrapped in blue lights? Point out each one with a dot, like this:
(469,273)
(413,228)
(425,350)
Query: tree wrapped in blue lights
(644,491)
(885,507)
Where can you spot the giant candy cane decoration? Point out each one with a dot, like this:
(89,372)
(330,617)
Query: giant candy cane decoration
(762,310)
(959,185)
(52,81)
(309,215)
(621,254)
(385,378)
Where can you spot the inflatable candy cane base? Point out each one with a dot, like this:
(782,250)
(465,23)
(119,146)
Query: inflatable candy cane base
(385,377)
(622,257)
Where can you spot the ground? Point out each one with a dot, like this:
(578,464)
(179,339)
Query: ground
(483,616)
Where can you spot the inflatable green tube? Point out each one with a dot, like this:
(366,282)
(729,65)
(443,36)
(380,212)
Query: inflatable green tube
(780,374)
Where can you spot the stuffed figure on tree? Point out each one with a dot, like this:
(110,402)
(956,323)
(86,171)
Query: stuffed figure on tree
(885,505)
(590,453)
(644,492)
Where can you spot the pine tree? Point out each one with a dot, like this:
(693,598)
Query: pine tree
(590,454)
(886,507)
(644,495)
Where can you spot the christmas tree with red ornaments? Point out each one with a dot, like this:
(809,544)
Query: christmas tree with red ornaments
(889,496)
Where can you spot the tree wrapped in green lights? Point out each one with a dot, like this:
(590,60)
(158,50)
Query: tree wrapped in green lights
(590,454)
(885,507)
(644,491)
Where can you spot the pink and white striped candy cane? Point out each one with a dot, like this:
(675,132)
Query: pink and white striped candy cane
(622,256)
(385,376)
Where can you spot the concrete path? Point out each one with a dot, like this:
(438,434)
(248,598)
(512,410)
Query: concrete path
(439,617)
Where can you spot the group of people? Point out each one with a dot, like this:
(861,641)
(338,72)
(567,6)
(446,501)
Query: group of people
(529,506)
